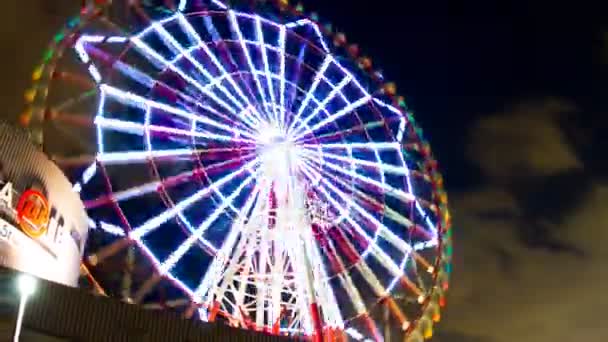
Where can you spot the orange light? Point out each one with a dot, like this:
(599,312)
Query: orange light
(33,213)
(25,118)
(436,317)
(29,95)
(390,88)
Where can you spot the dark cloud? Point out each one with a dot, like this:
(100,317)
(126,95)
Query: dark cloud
(529,263)
(522,141)
(524,150)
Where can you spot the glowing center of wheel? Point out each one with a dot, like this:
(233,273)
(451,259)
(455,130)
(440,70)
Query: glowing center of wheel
(279,155)
(270,134)
(279,158)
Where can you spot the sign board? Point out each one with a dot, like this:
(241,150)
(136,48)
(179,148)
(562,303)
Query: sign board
(43,223)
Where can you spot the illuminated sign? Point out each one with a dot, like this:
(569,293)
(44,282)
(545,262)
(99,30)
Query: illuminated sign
(43,224)
(33,213)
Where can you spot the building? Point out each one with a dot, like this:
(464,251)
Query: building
(58,313)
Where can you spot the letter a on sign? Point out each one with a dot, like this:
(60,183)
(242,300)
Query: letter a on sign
(6,194)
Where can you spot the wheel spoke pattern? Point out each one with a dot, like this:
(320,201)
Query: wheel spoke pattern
(236,160)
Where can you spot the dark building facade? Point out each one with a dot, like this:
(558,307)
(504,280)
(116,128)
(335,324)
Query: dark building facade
(57,313)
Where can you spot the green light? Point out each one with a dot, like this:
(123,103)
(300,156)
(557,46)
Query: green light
(59,37)
(410,117)
(73,22)
(448,250)
(47,55)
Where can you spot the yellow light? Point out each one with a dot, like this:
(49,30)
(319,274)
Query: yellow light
(390,88)
(29,94)
(37,73)
(428,332)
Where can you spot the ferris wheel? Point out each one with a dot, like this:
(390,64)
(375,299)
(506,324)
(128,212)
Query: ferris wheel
(252,158)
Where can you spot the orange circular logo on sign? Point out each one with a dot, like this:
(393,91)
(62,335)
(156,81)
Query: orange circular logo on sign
(33,213)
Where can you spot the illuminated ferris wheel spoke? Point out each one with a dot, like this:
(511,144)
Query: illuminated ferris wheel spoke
(374,165)
(149,82)
(327,297)
(389,212)
(311,91)
(143,103)
(250,121)
(140,129)
(147,51)
(214,271)
(323,104)
(134,157)
(348,285)
(150,187)
(239,35)
(331,136)
(382,230)
(262,45)
(336,91)
(354,145)
(344,111)
(358,261)
(282,34)
(182,52)
(198,233)
(257,116)
(389,190)
(218,3)
(157,221)
(195,39)
(374,250)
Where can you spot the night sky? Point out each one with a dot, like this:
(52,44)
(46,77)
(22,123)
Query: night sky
(511,95)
